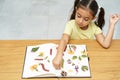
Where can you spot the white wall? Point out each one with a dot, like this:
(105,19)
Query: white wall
(111,7)
(43,19)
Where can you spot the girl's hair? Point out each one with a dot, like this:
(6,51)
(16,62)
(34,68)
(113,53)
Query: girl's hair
(93,7)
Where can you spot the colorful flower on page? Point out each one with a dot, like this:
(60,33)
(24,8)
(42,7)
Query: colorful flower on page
(84,52)
(70,51)
(34,67)
(69,61)
(76,68)
(73,47)
(41,54)
(63,73)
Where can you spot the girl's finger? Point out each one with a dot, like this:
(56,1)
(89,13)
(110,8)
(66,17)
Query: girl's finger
(57,67)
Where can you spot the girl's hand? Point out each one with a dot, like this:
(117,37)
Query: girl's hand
(114,18)
(57,62)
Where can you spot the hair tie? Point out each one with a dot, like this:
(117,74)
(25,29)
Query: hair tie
(98,11)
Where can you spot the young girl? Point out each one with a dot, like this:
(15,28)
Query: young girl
(81,26)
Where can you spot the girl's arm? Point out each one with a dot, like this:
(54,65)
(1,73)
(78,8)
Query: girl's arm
(106,41)
(57,61)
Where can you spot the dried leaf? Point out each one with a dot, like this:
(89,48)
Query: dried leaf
(84,68)
(34,49)
(74,57)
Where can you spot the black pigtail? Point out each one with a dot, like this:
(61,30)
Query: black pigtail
(74,10)
(100,22)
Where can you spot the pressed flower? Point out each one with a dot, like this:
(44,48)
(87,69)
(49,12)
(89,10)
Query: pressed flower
(41,54)
(34,67)
(70,51)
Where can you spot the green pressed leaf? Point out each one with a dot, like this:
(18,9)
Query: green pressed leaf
(80,58)
(84,56)
(35,49)
(74,57)
(84,68)
(48,61)
(46,57)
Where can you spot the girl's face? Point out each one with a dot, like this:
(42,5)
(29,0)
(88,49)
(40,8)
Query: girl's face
(83,17)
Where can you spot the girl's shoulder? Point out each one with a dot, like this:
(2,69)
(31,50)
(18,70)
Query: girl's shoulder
(95,28)
(93,25)
(71,21)
(71,24)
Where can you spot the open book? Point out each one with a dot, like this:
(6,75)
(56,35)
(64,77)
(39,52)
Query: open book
(38,61)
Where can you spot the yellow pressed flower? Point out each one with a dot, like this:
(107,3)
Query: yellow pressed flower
(70,51)
(41,54)
(34,67)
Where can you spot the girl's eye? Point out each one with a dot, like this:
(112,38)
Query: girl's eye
(78,16)
(86,19)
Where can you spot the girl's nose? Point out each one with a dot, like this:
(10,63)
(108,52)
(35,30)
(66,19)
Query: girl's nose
(80,20)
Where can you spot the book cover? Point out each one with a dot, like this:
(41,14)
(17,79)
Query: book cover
(38,61)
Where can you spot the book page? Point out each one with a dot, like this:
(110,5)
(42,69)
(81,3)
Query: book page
(75,61)
(38,61)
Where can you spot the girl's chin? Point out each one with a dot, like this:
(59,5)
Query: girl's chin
(80,25)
